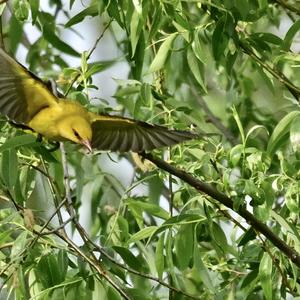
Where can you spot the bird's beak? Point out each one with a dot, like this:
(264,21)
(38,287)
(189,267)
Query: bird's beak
(87,145)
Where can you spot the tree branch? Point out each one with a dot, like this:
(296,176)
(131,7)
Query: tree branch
(225,200)
(288,6)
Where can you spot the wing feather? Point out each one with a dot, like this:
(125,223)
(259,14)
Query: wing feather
(22,94)
(123,134)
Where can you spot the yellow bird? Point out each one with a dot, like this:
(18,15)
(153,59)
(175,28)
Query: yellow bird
(27,101)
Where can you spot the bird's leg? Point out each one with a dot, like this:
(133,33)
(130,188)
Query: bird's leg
(39,138)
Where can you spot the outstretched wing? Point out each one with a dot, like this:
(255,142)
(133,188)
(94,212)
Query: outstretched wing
(22,95)
(122,134)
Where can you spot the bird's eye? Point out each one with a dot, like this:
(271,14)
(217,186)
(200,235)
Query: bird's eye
(76,133)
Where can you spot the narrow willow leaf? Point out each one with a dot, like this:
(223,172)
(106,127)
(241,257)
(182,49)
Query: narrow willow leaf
(15,34)
(162,54)
(236,154)
(18,141)
(34,6)
(48,271)
(56,42)
(138,6)
(194,65)
(19,246)
(280,133)
(159,256)
(288,39)
(112,294)
(9,168)
(89,11)
(265,272)
(295,133)
(198,49)
(142,234)
(135,30)
(219,39)
(201,269)
(267,37)
(2,7)
(239,124)
(184,245)
(128,258)
(150,208)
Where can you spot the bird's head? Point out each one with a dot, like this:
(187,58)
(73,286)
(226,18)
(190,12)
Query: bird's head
(77,130)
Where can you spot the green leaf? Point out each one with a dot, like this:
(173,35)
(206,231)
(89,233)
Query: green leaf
(239,124)
(265,272)
(135,31)
(56,42)
(288,39)
(97,67)
(113,12)
(15,33)
(295,133)
(89,11)
(19,141)
(267,37)
(249,235)
(2,7)
(198,48)
(286,225)
(266,78)
(71,3)
(184,245)
(142,234)
(19,246)
(280,133)
(159,256)
(9,170)
(152,209)
(162,54)
(219,236)
(128,258)
(201,270)
(138,57)
(219,39)
(112,294)
(62,263)
(47,271)
(235,154)
(250,279)
(194,65)
(34,5)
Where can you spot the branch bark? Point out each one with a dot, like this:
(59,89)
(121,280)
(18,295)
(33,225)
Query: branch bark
(225,200)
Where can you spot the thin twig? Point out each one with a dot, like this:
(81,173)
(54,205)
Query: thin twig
(69,203)
(89,55)
(40,232)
